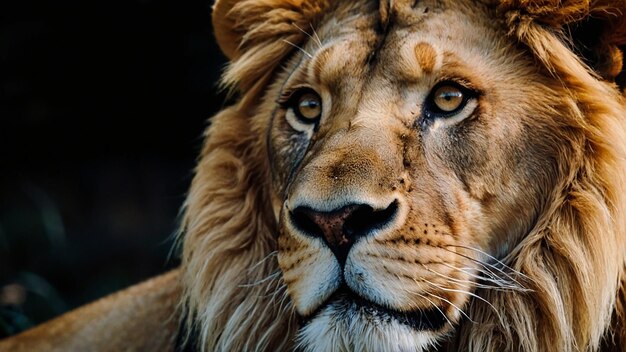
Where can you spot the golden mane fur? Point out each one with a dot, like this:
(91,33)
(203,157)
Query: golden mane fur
(572,260)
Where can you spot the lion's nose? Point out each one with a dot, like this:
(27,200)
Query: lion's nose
(341,228)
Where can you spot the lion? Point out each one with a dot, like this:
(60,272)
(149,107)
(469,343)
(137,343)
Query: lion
(423,175)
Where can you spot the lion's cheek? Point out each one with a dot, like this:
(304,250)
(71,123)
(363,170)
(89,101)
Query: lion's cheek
(310,272)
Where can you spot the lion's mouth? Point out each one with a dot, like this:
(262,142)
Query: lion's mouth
(346,304)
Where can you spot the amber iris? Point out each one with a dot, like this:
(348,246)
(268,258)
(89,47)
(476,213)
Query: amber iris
(309,106)
(448,98)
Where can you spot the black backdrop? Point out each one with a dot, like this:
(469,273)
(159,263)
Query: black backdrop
(102,106)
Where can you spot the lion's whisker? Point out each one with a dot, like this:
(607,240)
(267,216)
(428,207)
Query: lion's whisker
(469,294)
(299,48)
(317,38)
(500,286)
(271,254)
(263,280)
(475,260)
(278,285)
(284,304)
(438,309)
(441,298)
(449,302)
(455,290)
(494,259)
(431,302)
(499,282)
(488,267)
(479,277)
(469,282)
(493,275)
(453,305)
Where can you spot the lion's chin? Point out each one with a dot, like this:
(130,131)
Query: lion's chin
(349,324)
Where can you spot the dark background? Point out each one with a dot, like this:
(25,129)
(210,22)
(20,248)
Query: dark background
(102,106)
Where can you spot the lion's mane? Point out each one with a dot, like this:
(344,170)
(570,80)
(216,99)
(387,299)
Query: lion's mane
(573,259)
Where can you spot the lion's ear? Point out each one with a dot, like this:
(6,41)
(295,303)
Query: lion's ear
(256,35)
(224,27)
(595,28)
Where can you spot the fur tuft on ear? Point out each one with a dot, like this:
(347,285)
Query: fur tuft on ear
(257,35)
(596,29)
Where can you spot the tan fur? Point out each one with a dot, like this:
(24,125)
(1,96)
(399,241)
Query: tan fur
(141,318)
(540,180)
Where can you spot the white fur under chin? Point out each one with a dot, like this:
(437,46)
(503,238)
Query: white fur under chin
(332,331)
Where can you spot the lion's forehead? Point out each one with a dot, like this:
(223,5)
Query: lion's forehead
(374,77)
(384,67)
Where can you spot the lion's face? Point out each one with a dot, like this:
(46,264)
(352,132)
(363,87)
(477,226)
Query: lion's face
(398,173)
(402,168)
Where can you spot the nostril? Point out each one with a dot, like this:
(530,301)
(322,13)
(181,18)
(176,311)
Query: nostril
(365,219)
(303,220)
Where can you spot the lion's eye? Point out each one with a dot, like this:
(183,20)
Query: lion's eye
(449,102)
(308,107)
(303,109)
(448,98)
